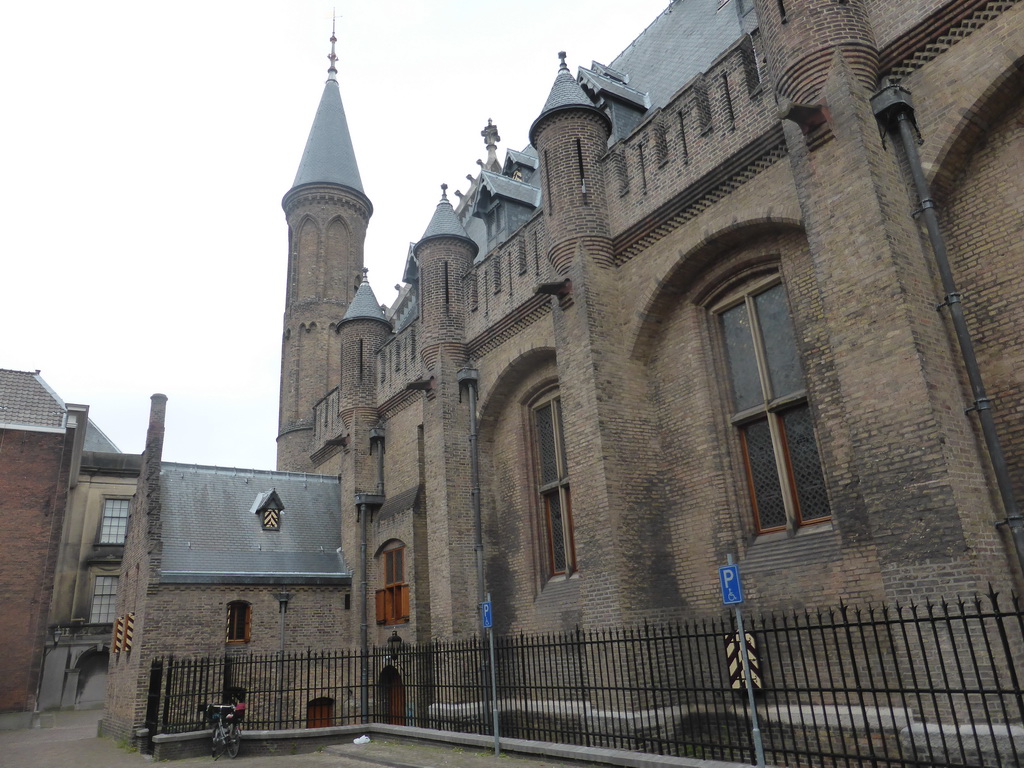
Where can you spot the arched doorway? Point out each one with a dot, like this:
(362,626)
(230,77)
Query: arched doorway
(392,696)
(320,713)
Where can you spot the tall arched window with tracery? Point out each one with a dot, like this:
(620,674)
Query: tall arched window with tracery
(553,485)
(770,408)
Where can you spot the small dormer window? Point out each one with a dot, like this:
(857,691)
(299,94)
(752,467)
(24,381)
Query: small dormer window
(268,508)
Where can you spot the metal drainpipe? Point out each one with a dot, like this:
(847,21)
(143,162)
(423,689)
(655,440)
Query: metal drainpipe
(470,377)
(895,112)
(364,635)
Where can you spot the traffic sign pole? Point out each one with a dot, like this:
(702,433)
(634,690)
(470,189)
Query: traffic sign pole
(730,578)
(487,617)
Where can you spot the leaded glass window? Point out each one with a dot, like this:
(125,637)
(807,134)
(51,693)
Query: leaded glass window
(770,410)
(553,474)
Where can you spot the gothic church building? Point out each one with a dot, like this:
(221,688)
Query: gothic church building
(696,315)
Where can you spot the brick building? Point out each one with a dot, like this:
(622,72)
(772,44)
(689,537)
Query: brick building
(694,316)
(40,445)
(220,560)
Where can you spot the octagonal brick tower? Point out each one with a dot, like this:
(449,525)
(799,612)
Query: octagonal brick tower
(327,213)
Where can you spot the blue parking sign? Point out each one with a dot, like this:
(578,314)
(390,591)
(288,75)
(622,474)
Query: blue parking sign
(488,614)
(732,590)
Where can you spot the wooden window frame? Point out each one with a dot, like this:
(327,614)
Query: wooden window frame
(560,488)
(772,410)
(392,601)
(236,622)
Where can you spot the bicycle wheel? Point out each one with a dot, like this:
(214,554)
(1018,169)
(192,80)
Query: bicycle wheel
(234,738)
(220,738)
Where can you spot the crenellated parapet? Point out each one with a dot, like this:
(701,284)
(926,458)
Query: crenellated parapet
(690,145)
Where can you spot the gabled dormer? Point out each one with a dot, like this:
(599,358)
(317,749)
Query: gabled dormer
(268,507)
(521,166)
(504,205)
(610,91)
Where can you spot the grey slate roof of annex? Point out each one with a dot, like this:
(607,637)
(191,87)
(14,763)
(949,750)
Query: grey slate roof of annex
(210,535)
(27,401)
(680,44)
(329,157)
(365,306)
(445,223)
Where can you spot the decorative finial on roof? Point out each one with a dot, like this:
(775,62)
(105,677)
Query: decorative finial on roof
(444,191)
(366,271)
(491,139)
(561,56)
(332,71)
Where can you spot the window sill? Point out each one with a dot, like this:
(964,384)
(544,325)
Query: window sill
(781,551)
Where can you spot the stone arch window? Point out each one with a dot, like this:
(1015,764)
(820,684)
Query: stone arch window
(553,484)
(239,622)
(769,407)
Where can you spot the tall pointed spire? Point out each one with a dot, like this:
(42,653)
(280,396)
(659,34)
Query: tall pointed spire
(329,157)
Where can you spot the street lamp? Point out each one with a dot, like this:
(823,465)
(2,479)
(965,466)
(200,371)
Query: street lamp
(394,646)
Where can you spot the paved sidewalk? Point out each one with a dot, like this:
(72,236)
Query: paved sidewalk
(68,740)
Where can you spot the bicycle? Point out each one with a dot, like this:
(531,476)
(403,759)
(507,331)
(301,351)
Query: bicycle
(226,720)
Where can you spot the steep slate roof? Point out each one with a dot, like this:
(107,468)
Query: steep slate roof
(210,535)
(444,223)
(27,401)
(364,305)
(680,44)
(329,156)
(96,440)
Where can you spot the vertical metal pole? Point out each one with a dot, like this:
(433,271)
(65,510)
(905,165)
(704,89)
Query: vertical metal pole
(364,627)
(494,688)
(754,729)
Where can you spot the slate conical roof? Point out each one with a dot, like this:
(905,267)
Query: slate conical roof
(364,305)
(565,93)
(444,223)
(329,157)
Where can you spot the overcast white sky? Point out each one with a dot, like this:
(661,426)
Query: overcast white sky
(145,148)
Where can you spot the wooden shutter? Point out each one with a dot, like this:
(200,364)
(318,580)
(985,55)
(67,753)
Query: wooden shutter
(381,610)
(403,602)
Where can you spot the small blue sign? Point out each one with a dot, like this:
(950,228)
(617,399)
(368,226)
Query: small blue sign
(732,590)
(488,614)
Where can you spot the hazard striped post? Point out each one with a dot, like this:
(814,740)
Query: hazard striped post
(732,594)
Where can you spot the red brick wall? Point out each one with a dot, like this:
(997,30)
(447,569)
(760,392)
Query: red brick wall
(34,470)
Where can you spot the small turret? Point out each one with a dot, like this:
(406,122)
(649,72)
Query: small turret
(802,37)
(445,254)
(361,334)
(571,136)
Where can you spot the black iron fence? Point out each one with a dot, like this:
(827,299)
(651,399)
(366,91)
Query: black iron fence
(911,685)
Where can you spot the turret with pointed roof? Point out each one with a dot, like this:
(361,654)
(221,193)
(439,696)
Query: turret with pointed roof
(327,212)
(444,253)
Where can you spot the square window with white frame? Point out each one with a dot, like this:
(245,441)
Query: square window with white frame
(115,521)
(104,600)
